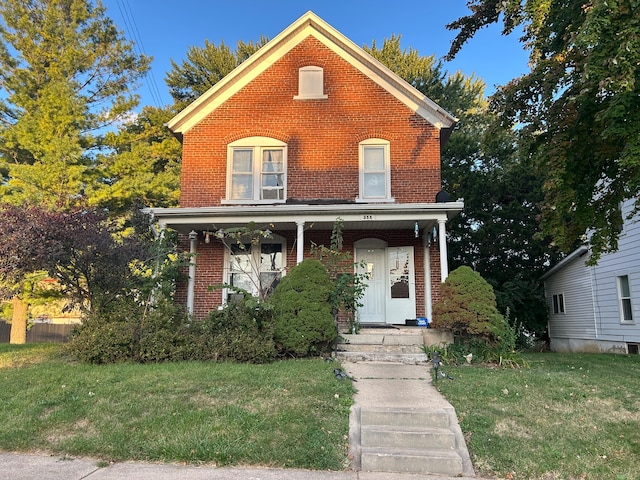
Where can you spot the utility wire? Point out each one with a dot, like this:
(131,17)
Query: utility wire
(134,33)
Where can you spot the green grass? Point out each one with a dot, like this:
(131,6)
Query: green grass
(568,416)
(285,414)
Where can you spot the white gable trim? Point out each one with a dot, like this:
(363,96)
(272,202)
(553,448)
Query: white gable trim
(309,25)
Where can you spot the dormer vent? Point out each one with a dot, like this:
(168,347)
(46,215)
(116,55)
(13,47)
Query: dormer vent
(310,83)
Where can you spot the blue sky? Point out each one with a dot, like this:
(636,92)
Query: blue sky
(166,29)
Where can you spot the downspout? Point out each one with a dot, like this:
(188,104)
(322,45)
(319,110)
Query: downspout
(594,300)
(191,286)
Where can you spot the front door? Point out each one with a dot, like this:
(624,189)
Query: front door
(390,293)
(372,265)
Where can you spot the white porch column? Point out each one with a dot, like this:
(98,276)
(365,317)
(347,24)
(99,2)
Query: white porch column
(191,286)
(300,241)
(428,299)
(442,242)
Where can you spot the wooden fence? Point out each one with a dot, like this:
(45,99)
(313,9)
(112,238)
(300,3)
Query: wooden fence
(39,332)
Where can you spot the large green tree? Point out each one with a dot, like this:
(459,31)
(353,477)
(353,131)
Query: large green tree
(66,73)
(578,109)
(206,66)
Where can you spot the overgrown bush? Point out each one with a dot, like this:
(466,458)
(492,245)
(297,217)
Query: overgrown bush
(129,332)
(98,342)
(242,331)
(304,323)
(467,308)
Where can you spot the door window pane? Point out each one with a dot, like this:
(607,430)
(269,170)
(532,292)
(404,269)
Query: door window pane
(399,273)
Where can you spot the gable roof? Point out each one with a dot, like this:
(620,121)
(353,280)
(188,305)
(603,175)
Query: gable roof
(577,253)
(311,24)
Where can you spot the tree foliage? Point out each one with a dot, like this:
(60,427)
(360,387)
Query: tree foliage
(79,249)
(142,166)
(206,66)
(578,109)
(65,73)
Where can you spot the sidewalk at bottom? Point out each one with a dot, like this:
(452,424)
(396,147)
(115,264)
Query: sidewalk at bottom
(42,467)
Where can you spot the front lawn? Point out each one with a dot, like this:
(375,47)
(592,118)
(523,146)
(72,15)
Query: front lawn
(568,416)
(284,414)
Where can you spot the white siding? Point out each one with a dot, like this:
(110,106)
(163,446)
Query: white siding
(573,282)
(626,261)
(592,309)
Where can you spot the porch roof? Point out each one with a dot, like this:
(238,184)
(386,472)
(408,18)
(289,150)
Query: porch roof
(355,216)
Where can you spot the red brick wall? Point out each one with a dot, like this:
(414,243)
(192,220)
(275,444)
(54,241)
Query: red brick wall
(322,135)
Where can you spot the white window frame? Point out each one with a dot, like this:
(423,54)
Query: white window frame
(254,267)
(256,145)
(624,299)
(362,148)
(557,304)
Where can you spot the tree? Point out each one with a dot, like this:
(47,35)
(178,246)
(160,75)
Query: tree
(206,66)
(578,110)
(143,166)
(66,73)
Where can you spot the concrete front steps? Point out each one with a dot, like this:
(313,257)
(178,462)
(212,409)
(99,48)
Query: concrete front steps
(400,423)
(408,441)
(390,344)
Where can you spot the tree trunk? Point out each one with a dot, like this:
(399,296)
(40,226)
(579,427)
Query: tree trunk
(19,321)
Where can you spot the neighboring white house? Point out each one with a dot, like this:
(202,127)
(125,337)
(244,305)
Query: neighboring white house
(597,308)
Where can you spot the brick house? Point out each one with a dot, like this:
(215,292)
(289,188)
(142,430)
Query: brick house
(310,129)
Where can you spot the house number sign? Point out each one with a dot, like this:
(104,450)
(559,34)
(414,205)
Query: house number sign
(368,217)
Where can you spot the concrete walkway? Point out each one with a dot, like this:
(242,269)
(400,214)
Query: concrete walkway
(378,384)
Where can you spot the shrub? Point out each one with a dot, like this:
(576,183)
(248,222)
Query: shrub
(242,331)
(304,323)
(467,308)
(101,342)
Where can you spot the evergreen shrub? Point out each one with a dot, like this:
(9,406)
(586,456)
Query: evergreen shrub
(304,322)
(467,308)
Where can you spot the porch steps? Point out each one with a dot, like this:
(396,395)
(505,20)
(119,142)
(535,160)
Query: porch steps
(401,345)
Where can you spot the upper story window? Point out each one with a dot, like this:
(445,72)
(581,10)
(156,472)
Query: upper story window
(375,176)
(310,83)
(256,170)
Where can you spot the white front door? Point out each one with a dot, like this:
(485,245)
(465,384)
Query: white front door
(372,261)
(391,290)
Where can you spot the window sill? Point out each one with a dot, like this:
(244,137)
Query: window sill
(251,202)
(375,200)
(310,97)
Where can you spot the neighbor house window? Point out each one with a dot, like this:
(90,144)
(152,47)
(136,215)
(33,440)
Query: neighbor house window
(256,170)
(375,177)
(310,83)
(624,297)
(558,303)
(254,268)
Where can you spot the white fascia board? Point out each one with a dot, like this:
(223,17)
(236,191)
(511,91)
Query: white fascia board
(292,213)
(310,25)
